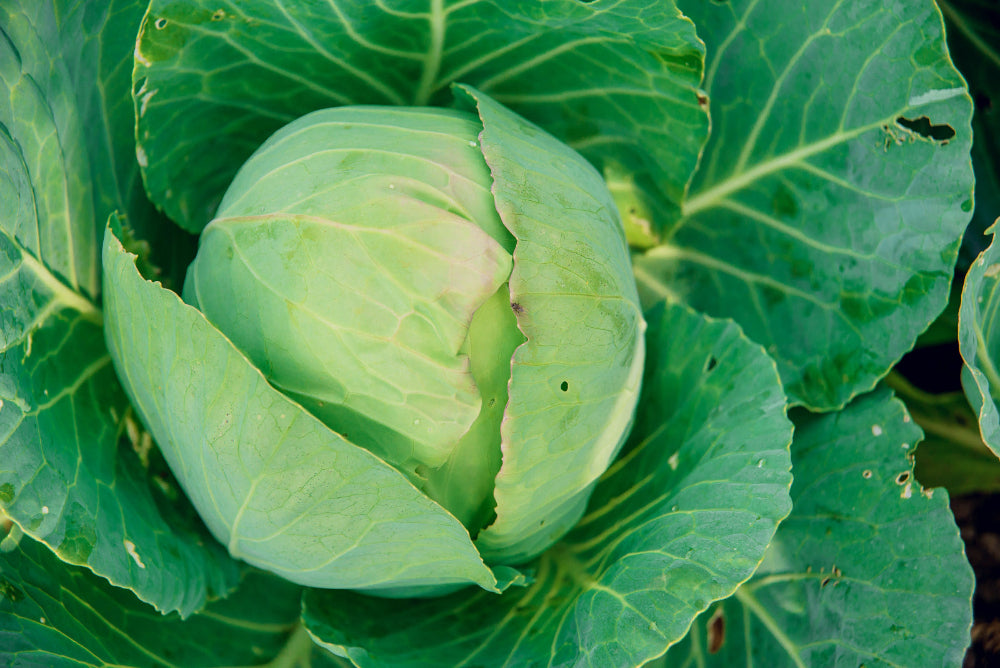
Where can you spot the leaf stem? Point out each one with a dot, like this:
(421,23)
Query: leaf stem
(922,405)
(63,293)
(970,34)
(753,605)
(295,653)
(14,534)
(432,63)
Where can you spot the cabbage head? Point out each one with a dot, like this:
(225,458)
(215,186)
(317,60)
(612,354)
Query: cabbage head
(447,294)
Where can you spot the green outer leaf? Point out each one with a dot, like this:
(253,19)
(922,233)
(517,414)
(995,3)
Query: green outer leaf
(575,381)
(973,28)
(272,483)
(67,481)
(64,477)
(616,79)
(868,569)
(825,229)
(96,43)
(45,174)
(52,614)
(979,341)
(680,520)
(952,454)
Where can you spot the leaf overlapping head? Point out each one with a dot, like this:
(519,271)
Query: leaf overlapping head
(447,290)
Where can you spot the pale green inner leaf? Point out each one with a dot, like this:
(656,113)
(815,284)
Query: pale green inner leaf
(348,260)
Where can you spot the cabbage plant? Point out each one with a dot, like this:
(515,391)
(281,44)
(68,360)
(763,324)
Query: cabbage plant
(450,296)
(474,332)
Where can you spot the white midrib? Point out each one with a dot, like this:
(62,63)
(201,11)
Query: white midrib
(234,537)
(432,63)
(765,112)
(708,198)
(70,390)
(750,602)
(60,291)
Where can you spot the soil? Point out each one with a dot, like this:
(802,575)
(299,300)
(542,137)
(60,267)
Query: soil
(978,517)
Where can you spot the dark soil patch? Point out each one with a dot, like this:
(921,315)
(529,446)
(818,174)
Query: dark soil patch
(978,517)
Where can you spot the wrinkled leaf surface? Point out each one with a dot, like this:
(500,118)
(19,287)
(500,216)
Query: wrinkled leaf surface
(821,218)
(679,521)
(979,342)
(273,484)
(615,79)
(867,570)
(64,478)
(52,614)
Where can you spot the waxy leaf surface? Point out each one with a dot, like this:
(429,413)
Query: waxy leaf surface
(575,381)
(273,484)
(679,521)
(979,342)
(616,80)
(867,570)
(66,478)
(826,213)
(53,614)
(973,28)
